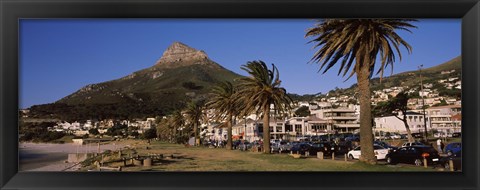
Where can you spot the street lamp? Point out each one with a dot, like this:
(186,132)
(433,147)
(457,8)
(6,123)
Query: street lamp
(245,129)
(423,105)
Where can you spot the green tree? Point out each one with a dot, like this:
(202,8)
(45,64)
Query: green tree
(93,131)
(176,122)
(302,112)
(163,129)
(223,101)
(396,105)
(149,134)
(261,90)
(359,40)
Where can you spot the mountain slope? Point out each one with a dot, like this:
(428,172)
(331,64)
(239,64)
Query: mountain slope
(180,75)
(409,78)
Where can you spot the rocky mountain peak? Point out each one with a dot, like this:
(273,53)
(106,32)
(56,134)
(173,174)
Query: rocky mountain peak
(179,54)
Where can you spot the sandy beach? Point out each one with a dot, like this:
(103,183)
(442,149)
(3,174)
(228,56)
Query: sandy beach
(52,157)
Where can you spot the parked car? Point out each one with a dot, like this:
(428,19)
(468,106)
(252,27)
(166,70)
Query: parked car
(300,148)
(353,138)
(235,144)
(344,146)
(457,161)
(442,134)
(456,135)
(315,138)
(395,136)
(326,147)
(273,141)
(245,145)
(257,144)
(413,154)
(274,147)
(385,145)
(417,135)
(412,144)
(380,152)
(285,146)
(453,148)
(280,146)
(323,138)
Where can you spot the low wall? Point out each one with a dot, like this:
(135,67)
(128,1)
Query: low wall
(77,141)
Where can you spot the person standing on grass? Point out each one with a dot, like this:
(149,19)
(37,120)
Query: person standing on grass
(439,145)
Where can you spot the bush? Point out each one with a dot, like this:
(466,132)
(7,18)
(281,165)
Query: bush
(93,131)
(150,134)
(302,111)
(191,85)
(38,132)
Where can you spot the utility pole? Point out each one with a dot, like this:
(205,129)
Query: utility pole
(423,105)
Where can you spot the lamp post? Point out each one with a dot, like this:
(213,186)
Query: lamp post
(245,130)
(423,105)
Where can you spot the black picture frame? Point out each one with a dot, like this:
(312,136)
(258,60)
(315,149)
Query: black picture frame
(13,10)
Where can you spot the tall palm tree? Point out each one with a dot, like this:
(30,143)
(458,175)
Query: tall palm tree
(261,90)
(176,122)
(359,40)
(223,101)
(194,114)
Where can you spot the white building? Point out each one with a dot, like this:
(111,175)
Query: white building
(415,122)
(88,125)
(339,119)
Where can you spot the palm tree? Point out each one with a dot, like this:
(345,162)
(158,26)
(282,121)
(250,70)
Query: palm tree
(194,113)
(359,40)
(261,90)
(163,131)
(223,101)
(176,122)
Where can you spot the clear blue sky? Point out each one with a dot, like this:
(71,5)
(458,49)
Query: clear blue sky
(57,57)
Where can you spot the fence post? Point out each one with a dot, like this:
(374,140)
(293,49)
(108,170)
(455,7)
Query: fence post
(345,157)
(425,165)
(450,162)
(320,155)
(333,155)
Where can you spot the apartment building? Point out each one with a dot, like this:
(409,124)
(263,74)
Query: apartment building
(338,119)
(446,119)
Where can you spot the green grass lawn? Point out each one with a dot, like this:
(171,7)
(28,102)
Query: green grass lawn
(64,139)
(213,159)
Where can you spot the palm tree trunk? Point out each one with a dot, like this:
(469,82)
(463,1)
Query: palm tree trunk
(175,134)
(266,129)
(229,132)
(195,131)
(366,134)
